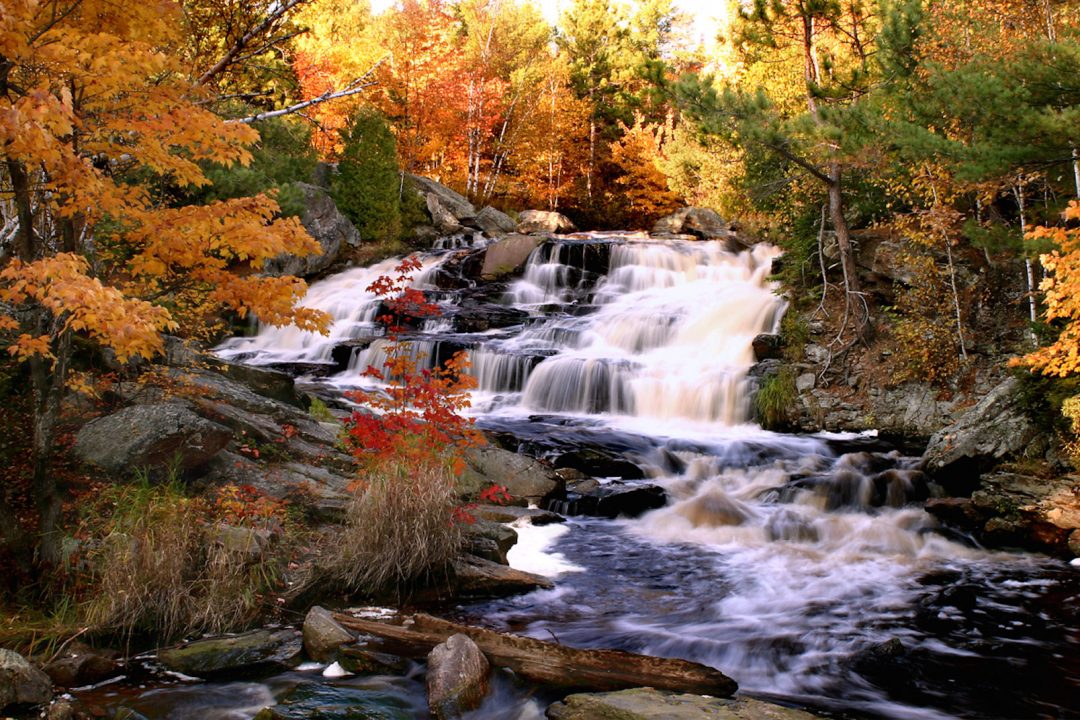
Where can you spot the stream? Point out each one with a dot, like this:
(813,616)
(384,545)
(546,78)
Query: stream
(802,566)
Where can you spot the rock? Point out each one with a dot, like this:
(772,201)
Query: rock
(615,499)
(20,682)
(323,636)
(495,223)
(325,223)
(452,201)
(994,430)
(457,677)
(767,347)
(250,650)
(80,664)
(361,661)
(251,543)
(512,513)
(62,709)
(443,220)
(526,480)
(476,577)
(508,256)
(702,222)
(544,221)
(489,540)
(595,462)
(150,436)
(805,382)
(649,704)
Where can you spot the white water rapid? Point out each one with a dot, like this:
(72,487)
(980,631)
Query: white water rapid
(785,561)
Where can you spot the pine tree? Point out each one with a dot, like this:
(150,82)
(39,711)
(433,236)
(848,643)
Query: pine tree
(368,182)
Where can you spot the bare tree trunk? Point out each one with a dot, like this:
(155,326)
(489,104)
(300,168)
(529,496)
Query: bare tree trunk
(1029,274)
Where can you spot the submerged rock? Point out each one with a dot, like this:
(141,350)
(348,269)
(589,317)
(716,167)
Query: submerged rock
(649,704)
(457,677)
(323,635)
(150,436)
(20,682)
(247,651)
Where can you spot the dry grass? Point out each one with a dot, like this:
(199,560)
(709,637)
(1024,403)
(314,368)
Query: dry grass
(156,565)
(401,530)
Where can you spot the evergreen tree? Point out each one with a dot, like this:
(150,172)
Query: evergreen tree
(368,182)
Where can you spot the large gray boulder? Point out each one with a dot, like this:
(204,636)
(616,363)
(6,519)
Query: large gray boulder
(495,223)
(324,222)
(445,222)
(323,635)
(544,221)
(255,649)
(994,430)
(649,704)
(701,222)
(457,677)
(150,436)
(454,202)
(20,682)
(525,479)
(508,256)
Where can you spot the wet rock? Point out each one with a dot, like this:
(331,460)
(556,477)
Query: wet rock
(878,659)
(512,513)
(20,682)
(324,222)
(150,436)
(767,347)
(495,223)
(526,480)
(700,222)
(615,499)
(344,701)
(248,651)
(453,201)
(649,704)
(63,709)
(508,256)
(994,430)
(79,664)
(544,221)
(359,660)
(323,635)
(489,540)
(479,578)
(457,677)
(599,463)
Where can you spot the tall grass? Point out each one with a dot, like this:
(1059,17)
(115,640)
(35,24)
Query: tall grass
(157,562)
(401,531)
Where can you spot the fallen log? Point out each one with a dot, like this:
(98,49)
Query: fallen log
(549,663)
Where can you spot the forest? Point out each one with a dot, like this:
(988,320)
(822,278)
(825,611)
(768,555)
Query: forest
(312,303)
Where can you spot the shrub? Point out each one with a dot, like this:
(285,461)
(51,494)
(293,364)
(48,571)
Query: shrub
(367,186)
(776,396)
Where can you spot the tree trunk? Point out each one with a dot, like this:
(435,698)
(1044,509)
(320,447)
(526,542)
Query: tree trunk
(550,663)
(48,385)
(20,183)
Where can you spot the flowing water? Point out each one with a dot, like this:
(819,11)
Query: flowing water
(804,567)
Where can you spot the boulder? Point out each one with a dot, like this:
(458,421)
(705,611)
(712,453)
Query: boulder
(359,660)
(526,480)
(441,217)
(511,513)
(994,430)
(767,347)
(455,203)
(150,436)
(250,650)
(327,225)
(457,677)
(479,578)
(596,462)
(508,256)
(495,223)
(701,222)
(20,682)
(489,540)
(323,635)
(544,221)
(80,664)
(649,704)
(615,499)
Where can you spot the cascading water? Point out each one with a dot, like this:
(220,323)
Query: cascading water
(787,562)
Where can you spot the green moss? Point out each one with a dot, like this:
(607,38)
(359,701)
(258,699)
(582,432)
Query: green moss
(775,398)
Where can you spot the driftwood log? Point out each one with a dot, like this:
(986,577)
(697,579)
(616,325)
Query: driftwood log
(549,663)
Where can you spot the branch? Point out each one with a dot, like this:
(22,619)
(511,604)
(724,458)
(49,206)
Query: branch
(241,45)
(354,88)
